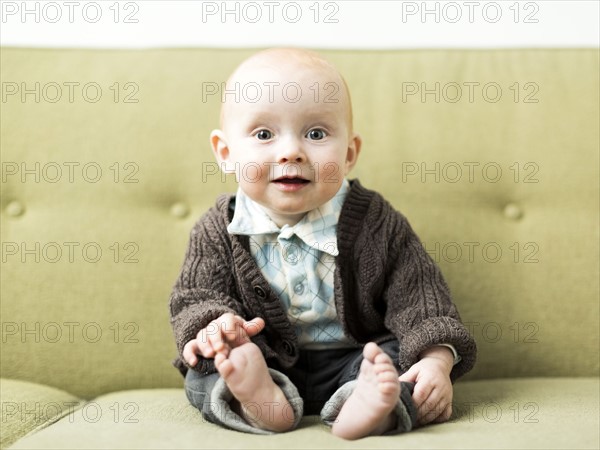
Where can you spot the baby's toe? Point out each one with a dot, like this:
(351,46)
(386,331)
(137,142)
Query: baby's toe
(383,358)
(388,388)
(387,376)
(371,351)
(388,383)
(225,368)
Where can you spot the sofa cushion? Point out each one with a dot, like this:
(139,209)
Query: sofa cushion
(28,407)
(513,413)
(99,196)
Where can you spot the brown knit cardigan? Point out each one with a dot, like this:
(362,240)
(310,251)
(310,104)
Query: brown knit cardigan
(385,286)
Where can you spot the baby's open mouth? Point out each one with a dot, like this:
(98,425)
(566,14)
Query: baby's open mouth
(291,180)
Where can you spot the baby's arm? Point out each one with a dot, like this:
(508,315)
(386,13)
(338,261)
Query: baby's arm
(205,291)
(220,336)
(433,389)
(421,314)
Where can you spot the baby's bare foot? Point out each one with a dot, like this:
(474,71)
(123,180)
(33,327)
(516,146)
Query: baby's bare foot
(370,408)
(259,400)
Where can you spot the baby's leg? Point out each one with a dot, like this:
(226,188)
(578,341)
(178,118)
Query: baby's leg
(258,400)
(370,408)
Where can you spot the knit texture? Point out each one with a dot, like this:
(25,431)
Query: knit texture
(385,285)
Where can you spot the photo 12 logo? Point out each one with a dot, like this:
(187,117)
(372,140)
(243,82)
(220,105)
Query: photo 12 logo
(469,171)
(493,412)
(470,91)
(470,12)
(69,332)
(270,91)
(270,12)
(69,12)
(68,172)
(91,412)
(68,252)
(68,92)
(252,172)
(490,252)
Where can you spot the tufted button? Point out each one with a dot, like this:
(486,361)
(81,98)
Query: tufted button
(260,291)
(288,348)
(15,209)
(512,211)
(180,210)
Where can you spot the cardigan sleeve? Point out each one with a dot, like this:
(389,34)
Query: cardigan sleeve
(205,288)
(420,311)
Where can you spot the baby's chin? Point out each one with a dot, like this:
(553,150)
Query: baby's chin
(287,209)
(282,213)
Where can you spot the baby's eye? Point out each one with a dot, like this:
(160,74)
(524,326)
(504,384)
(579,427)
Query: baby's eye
(316,134)
(264,135)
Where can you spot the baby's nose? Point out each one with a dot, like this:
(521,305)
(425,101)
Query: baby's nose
(291,151)
(288,159)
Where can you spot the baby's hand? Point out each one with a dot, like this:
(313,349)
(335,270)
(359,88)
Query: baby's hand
(433,389)
(221,335)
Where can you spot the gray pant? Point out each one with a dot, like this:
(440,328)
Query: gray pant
(319,383)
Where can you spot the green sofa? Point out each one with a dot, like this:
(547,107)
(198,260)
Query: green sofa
(106,165)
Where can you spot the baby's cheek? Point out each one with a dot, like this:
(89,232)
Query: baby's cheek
(331,173)
(252,172)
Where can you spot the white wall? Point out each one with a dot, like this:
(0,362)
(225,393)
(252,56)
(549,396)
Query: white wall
(323,24)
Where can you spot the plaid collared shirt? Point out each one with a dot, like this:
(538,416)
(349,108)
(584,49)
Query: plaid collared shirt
(298,262)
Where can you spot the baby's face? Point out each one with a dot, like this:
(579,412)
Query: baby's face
(290,149)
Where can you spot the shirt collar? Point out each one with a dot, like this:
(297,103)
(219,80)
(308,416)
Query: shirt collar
(317,228)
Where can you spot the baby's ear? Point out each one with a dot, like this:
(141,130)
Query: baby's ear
(221,150)
(354,146)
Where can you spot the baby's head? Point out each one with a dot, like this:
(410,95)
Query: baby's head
(286,131)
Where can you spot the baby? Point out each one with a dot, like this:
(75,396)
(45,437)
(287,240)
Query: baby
(307,293)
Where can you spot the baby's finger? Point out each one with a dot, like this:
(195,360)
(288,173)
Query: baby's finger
(223,365)
(422,392)
(429,411)
(189,352)
(204,346)
(219,359)
(410,375)
(445,415)
(233,330)
(431,402)
(214,335)
(254,326)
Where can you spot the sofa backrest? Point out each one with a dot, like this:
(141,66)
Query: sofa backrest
(106,165)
